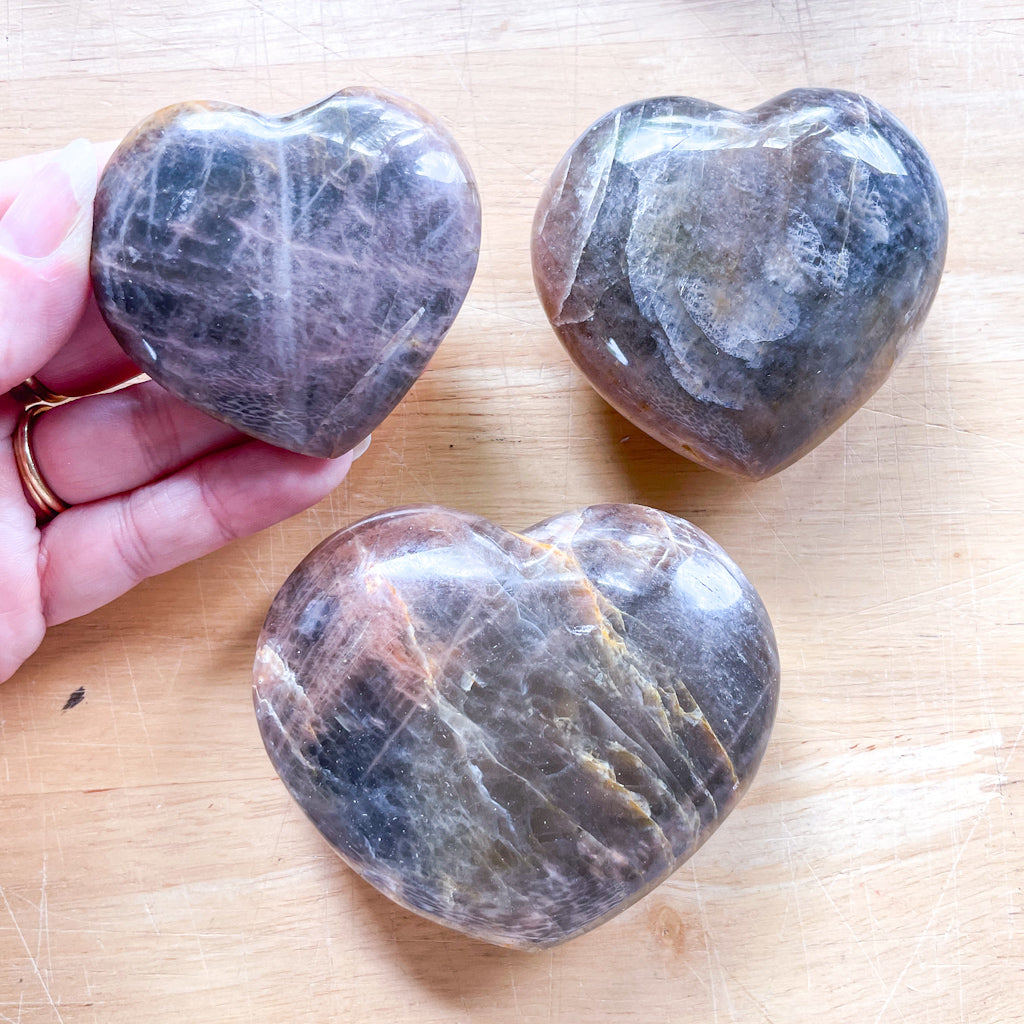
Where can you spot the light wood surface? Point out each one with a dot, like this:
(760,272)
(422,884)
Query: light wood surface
(152,867)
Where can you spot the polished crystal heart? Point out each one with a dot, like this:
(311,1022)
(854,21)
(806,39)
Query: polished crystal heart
(517,735)
(737,284)
(292,275)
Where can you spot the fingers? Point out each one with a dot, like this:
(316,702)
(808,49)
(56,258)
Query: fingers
(107,444)
(21,620)
(214,485)
(17,174)
(93,553)
(111,444)
(44,262)
(90,362)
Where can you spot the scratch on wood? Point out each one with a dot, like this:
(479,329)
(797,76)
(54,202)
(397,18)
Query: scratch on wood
(950,877)
(138,701)
(31,959)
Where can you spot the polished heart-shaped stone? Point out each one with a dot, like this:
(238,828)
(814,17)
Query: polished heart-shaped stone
(737,284)
(291,275)
(517,735)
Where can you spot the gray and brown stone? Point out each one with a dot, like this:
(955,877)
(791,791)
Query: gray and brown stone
(517,735)
(291,275)
(737,284)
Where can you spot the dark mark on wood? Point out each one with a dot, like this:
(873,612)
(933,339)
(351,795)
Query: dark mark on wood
(76,698)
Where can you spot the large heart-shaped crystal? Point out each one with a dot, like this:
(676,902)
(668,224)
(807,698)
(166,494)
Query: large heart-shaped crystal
(289,275)
(737,284)
(517,735)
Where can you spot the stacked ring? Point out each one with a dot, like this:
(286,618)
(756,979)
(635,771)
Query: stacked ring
(45,502)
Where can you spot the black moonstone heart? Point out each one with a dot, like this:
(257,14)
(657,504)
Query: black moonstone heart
(291,275)
(517,735)
(738,283)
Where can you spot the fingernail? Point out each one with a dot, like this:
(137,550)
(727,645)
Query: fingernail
(360,449)
(54,207)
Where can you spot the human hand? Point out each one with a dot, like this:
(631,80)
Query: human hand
(152,483)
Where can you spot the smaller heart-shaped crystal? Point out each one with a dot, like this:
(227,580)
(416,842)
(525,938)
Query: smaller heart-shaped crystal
(291,275)
(737,284)
(517,735)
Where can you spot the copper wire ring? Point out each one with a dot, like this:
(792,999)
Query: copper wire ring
(41,497)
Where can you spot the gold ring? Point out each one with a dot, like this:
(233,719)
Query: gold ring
(32,391)
(41,496)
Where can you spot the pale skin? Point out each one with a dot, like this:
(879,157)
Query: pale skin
(152,482)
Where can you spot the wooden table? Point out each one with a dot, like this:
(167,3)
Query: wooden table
(152,867)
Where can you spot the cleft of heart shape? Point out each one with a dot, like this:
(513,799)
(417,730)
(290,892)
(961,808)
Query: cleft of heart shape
(738,283)
(290,275)
(517,734)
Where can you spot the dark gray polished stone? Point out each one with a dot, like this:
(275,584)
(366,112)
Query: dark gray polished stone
(737,284)
(517,735)
(288,275)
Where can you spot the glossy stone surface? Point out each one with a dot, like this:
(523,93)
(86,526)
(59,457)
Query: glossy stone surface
(737,284)
(517,735)
(288,275)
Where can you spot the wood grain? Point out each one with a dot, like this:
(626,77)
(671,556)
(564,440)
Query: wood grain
(151,865)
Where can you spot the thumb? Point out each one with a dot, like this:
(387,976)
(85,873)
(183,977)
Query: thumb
(45,238)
